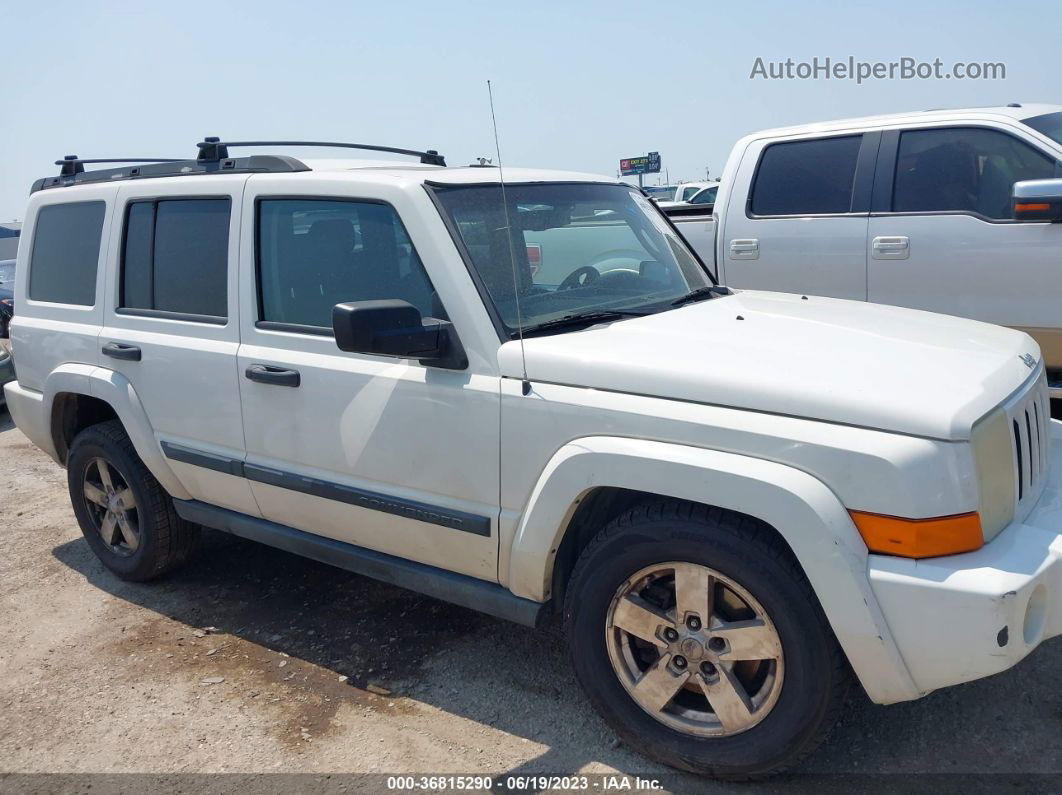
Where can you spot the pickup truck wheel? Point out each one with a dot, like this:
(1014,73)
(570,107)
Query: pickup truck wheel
(125,515)
(699,640)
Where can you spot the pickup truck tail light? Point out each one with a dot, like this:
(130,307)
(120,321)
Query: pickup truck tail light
(920,538)
(534,257)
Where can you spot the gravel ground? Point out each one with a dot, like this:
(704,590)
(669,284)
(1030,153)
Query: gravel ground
(251,660)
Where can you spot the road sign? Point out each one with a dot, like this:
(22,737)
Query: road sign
(644,164)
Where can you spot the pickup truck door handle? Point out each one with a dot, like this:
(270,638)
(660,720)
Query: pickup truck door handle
(746,248)
(891,248)
(119,350)
(268,374)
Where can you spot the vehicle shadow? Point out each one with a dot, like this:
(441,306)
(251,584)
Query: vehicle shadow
(519,681)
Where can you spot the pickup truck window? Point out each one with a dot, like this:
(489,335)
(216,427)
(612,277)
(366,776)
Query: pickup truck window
(316,253)
(66,253)
(806,177)
(964,169)
(175,257)
(706,196)
(598,248)
(1050,124)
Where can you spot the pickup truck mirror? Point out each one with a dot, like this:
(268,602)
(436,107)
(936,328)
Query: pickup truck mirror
(1038,200)
(393,327)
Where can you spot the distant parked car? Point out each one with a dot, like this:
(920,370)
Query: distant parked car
(703,192)
(661,192)
(7,295)
(9,235)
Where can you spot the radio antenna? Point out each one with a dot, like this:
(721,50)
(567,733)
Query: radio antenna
(526,385)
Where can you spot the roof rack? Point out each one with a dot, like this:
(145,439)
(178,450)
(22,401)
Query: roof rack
(72,164)
(213,157)
(213,149)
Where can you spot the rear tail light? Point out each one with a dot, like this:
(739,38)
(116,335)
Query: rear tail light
(534,257)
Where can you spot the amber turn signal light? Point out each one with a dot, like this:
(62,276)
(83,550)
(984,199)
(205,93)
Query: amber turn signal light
(920,538)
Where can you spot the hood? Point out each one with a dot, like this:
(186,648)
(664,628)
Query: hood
(839,361)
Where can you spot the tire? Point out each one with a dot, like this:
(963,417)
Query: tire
(162,539)
(796,691)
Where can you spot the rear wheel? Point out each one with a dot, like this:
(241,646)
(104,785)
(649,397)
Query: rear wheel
(125,515)
(700,641)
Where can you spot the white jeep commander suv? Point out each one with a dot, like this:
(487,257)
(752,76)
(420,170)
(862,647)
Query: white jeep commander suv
(526,395)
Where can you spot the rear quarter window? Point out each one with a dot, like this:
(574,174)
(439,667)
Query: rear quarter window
(66,253)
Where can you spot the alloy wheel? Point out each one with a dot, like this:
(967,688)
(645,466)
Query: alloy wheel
(112,506)
(694,649)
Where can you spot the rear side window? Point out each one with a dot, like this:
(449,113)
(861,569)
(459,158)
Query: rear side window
(806,177)
(66,252)
(964,169)
(175,257)
(316,253)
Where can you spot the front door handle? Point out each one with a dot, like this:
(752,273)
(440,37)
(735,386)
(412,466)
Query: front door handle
(891,247)
(119,350)
(748,248)
(268,374)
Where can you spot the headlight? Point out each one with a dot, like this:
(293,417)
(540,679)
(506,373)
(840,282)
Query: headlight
(994,459)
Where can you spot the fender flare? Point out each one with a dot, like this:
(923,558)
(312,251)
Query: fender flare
(800,507)
(117,391)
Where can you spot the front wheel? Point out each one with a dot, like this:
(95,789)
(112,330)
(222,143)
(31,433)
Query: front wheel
(699,640)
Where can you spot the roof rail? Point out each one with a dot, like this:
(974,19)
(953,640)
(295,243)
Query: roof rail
(72,164)
(213,158)
(213,149)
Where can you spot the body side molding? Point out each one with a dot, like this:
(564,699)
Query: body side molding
(459,589)
(362,498)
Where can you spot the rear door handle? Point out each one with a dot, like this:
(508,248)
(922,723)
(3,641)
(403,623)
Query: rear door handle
(119,350)
(891,247)
(747,248)
(268,374)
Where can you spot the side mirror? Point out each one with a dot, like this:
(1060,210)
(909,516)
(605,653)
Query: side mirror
(395,328)
(1038,200)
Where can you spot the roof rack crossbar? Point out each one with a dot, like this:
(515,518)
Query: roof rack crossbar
(72,164)
(212,149)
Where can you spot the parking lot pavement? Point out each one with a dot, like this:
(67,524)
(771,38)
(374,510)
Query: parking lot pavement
(253,660)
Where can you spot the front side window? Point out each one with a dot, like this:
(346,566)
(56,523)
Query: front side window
(689,192)
(566,249)
(964,169)
(66,253)
(316,253)
(806,177)
(175,257)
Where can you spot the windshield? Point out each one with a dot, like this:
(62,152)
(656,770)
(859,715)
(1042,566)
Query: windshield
(578,248)
(1050,124)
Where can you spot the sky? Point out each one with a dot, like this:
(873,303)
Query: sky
(577,85)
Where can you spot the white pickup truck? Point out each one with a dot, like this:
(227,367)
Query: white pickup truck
(951,211)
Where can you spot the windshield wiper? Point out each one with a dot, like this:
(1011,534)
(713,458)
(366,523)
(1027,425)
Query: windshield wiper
(701,293)
(584,319)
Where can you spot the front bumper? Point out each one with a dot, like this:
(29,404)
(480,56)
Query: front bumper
(962,617)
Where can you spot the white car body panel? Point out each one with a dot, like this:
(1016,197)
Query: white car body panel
(875,367)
